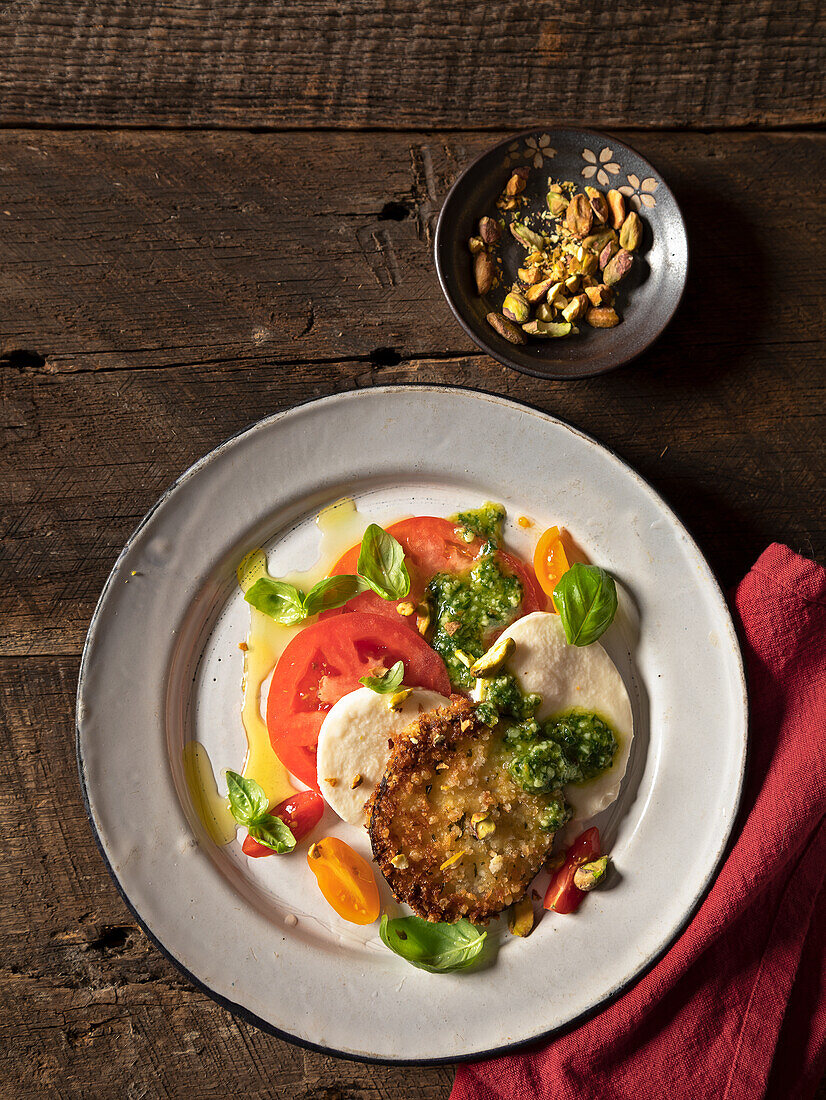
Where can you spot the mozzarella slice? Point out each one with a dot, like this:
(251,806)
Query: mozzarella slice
(568,676)
(353,741)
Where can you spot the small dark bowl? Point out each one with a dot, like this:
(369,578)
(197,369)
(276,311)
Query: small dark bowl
(648,296)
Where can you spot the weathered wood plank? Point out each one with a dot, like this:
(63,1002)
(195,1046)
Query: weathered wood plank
(724,440)
(159,292)
(412,63)
(155,249)
(88,1006)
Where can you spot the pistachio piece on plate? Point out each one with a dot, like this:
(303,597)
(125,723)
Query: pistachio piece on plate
(491,662)
(520,918)
(398,698)
(515,185)
(595,242)
(599,295)
(589,875)
(556,291)
(529,275)
(483,825)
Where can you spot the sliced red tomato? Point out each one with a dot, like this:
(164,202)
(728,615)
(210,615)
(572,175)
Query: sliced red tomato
(301,812)
(432,546)
(323,663)
(533,598)
(562,896)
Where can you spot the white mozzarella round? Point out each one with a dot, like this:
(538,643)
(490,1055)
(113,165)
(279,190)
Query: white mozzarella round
(568,676)
(353,742)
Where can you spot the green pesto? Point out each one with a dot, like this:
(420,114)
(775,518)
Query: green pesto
(473,605)
(572,748)
(504,693)
(486,522)
(555,813)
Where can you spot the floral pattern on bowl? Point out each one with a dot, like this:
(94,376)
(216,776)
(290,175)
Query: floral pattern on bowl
(638,193)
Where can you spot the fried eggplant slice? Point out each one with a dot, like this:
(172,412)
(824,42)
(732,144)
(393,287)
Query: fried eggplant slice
(451,832)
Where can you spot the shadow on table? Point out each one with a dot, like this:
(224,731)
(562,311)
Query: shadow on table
(725,308)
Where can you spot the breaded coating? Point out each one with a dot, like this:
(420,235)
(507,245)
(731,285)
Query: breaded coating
(452,833)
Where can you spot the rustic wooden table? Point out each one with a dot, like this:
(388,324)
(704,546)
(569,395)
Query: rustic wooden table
(212,211)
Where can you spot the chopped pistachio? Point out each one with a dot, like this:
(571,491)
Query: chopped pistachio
(491,662)
(551,330)
(526,236)
(483,825)
(520,918)
(452,859)
(589,875)
(398,698)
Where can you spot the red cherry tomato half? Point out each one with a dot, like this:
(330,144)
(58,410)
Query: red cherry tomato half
(301,812)
(432,546)
(323,663)
(562,896)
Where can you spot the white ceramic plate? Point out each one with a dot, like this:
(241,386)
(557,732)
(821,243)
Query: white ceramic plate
(162,665)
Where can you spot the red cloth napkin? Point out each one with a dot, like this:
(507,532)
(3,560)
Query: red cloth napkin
(737,1008)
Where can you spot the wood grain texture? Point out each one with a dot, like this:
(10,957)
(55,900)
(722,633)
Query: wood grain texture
(413,63)
(88,1006)
(160,292)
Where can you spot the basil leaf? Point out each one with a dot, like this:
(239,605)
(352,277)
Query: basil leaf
(272,832)
(281,601)
(586,599)
(386,682)
(332,592)
(381,564)
(247,801)
(438,948)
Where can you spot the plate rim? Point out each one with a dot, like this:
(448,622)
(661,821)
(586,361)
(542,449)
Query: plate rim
(487,346)
(613,994)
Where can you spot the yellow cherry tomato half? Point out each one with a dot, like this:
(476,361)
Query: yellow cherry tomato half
(345,879)
(550,560)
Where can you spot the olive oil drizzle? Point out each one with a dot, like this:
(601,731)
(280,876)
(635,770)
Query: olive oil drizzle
(341,526)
